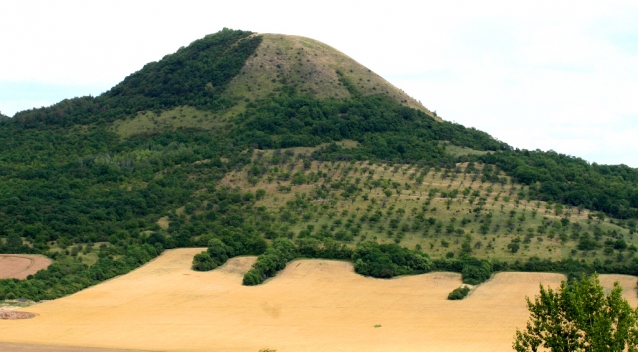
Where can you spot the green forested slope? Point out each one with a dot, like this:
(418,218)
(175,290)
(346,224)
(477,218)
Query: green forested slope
(612,189)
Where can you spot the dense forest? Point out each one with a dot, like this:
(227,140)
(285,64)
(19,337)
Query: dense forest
(608,188)
(101,205)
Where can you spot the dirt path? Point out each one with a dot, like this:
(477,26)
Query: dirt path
(19,266)
(313,305)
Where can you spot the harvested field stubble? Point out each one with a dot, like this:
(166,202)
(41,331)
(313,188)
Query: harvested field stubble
(12,314)
(19,266)
(312,305)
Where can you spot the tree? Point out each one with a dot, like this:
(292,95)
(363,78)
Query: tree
(14,243)
(579,317)
(203,262)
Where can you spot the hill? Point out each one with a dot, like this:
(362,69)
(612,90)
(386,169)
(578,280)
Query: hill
(282,146)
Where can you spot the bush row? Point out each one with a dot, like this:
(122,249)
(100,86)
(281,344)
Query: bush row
(389,260)
(268,264)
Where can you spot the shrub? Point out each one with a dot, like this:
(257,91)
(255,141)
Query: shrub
(268,264)
(388,260)
(476,271)
(203,262)
(458,293)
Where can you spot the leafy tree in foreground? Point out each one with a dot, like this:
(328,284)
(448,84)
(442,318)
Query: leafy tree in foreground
(579,317)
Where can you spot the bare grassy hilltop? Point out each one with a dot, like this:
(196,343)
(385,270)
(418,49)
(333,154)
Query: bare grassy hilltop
(313,68)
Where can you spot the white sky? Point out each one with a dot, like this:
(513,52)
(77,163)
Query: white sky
(559,75)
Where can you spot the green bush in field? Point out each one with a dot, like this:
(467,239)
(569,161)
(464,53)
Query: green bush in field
(458,293)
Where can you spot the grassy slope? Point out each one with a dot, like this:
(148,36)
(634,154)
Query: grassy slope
(183,116)
(325,211)
(311,66)
(307,64)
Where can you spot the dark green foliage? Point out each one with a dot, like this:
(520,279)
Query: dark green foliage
(370,258)
(83,202)
(514,245)
(587,244)
(579,316)
(325,248)
(612,189)
(458,293)
(268,264)
(474,271)
(14,245)
(203,262)
(385,129)
(66,275)
(195,75)
(230,243)
(218,252)
(389,260)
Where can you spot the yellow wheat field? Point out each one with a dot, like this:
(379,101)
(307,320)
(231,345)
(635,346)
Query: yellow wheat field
(313,305)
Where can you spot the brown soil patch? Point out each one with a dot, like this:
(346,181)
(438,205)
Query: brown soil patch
(312,305)
(13,315)
(19,266)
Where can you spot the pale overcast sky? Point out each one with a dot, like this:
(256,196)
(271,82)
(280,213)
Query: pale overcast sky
(559,75)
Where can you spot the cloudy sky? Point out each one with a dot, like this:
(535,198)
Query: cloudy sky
(559,75)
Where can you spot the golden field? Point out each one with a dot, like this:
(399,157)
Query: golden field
(312,305)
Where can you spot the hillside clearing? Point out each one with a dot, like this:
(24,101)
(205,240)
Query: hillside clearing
(19,266)
(309,306)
